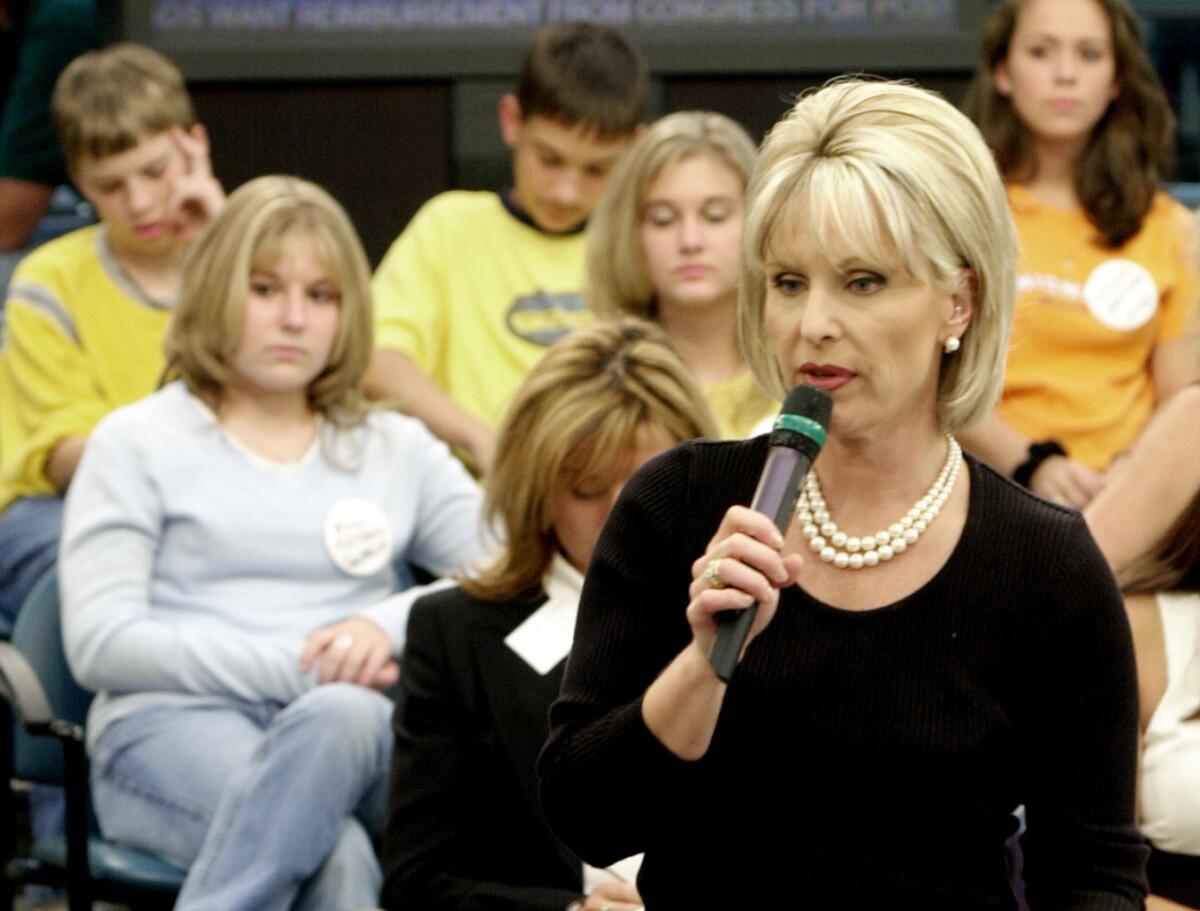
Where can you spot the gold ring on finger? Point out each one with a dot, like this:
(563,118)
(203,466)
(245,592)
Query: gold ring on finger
(712,575)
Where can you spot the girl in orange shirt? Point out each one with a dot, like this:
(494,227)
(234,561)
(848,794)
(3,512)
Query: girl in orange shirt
(1107,284)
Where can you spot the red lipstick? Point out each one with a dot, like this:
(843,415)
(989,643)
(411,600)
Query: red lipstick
(826,376)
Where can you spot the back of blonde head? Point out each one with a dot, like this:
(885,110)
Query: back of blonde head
(617,281)
(579,412)
(206,324)
(894,173)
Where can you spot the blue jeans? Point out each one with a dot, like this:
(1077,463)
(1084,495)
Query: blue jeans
(29,533)
(269,807)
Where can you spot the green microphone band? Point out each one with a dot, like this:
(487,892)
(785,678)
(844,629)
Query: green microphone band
(798,423)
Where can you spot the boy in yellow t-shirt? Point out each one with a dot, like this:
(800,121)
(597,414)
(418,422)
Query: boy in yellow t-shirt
(479,283)
(85,313)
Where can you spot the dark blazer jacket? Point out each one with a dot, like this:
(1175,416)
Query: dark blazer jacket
(464,827)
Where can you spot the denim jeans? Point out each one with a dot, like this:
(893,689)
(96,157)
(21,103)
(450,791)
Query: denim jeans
(271,808)
(29,533)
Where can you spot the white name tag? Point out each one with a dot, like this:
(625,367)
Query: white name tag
(625,871)
(1121,294)
(358,536)
(544,639)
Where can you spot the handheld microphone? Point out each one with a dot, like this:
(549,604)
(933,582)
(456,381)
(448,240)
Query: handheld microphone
(797,437)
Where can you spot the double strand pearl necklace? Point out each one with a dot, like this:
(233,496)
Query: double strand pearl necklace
(845,552)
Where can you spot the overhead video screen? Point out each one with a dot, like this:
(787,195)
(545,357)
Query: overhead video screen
(438,38)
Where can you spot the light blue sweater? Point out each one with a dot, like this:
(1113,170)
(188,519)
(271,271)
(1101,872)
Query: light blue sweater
(192,571)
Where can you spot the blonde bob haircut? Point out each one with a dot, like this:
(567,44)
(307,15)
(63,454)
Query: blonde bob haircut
(617,282)
(259,219)
(895,174)
(575,418)
(107,101)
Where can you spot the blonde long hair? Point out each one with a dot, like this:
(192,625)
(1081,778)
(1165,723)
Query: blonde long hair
(617,281)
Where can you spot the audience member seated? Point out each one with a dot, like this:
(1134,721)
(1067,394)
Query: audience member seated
(479,283)
(1164,611)
(1107,284)
(484,661)
(31,163)
(1147,523)
(86,312)
(228,570)
(664,245)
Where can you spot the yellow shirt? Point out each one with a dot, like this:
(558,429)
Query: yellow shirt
(79,340)
(474,296)
(1087,322)
(738,404)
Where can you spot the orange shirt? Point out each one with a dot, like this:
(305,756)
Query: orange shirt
(1087,321)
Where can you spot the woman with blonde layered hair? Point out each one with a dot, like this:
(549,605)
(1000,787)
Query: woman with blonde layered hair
(839,187)
(464,827)
(663,245)
(932,646)
(233,567)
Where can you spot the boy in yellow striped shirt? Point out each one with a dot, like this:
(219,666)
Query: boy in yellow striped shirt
(85,313)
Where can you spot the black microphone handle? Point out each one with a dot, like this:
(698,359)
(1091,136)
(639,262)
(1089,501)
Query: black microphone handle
(778,490)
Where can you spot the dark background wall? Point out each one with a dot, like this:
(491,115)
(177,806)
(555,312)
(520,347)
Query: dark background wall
(384,147)
(381,148)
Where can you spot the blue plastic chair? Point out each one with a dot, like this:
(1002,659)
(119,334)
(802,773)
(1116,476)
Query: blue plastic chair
(48,748)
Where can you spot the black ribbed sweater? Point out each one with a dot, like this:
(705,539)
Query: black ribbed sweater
(862,758)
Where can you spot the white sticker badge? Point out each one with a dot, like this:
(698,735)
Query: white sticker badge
(358,536)
(1121,294)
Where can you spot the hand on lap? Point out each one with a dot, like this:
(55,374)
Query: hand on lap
(355,651)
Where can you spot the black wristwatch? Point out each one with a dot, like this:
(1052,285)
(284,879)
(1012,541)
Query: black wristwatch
(1038,453)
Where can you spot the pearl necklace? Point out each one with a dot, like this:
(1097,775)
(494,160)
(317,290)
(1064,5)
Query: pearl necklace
(845,552)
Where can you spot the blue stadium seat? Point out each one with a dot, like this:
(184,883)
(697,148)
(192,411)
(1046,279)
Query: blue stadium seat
(66,212)
(48,749)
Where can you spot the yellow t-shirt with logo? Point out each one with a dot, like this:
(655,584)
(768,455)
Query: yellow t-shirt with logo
(474,296)
(1087,321)
(80,339)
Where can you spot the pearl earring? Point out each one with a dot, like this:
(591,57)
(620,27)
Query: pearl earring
(951,344)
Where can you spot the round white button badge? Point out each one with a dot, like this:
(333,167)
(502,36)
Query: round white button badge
(358,536)
(1121,294)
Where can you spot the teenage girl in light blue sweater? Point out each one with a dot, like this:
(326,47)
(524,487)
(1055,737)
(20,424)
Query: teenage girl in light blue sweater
(233,565)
